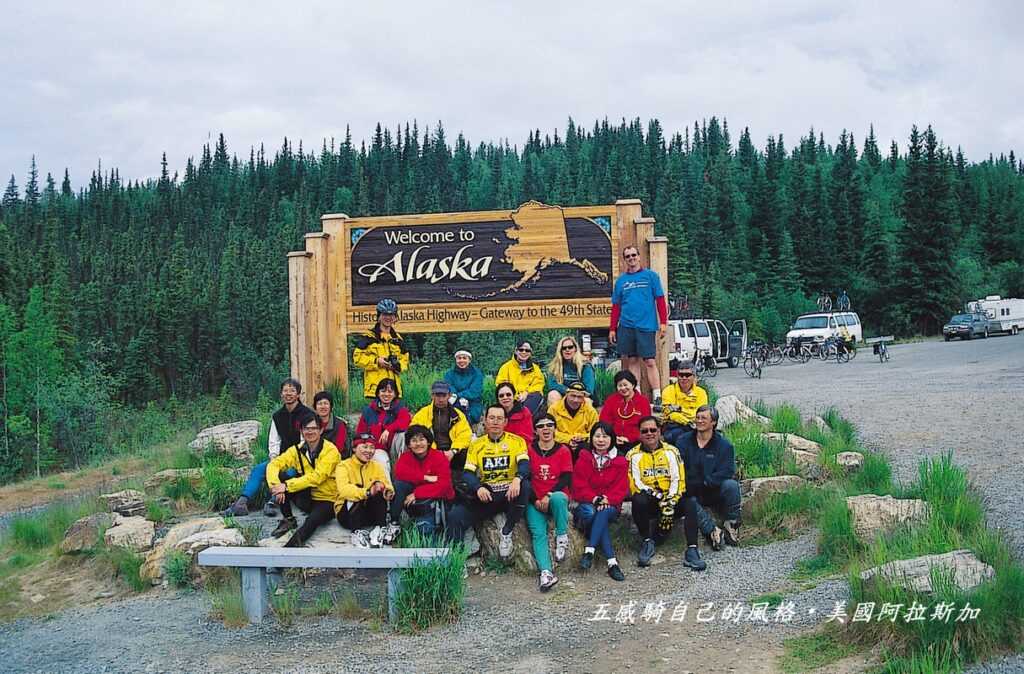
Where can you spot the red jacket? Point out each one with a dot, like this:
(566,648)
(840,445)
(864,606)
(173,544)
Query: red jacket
(410,469)
(625,417)
(589,482)
(375,421)
(520,422)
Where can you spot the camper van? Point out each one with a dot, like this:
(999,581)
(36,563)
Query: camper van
(1004,315)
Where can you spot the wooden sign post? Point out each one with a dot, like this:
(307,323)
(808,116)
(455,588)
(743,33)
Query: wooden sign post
(534,267)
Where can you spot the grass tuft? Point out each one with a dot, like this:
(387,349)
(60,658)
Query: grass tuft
(286,605)
(46,528)
(219,488)
(178,568)
(157,512)
(786,419)
(812,651)
(431,591)
(226,601)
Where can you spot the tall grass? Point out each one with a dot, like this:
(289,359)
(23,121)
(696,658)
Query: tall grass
(755,455)
(432,591)
(46,528)
(178,568)
(226,601)
(785,419)
(219,488)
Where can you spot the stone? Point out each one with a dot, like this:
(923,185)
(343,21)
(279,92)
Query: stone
(83,534)
(153,567)
(873,514)
(201,540)
(522,559)
(851,461)
(820,424)
(471,542)
(236,439)
(791,441)
(756,490)
(134,533)
(807,464)
(129,502)
(961,566)
(36,598)
(731,410)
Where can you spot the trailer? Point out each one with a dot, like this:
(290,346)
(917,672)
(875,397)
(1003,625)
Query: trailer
(1004,315)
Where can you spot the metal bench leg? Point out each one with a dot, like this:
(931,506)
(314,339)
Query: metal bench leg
(394,587)
(254,593)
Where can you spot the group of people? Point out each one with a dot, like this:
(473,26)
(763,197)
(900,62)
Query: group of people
(544,452)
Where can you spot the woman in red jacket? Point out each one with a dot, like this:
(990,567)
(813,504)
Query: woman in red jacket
(599,485)
(624,409)
(423,488)
(385,416)
(520,420)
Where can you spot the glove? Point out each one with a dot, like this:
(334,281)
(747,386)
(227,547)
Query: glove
(463,402)
(452,399)
(668,515)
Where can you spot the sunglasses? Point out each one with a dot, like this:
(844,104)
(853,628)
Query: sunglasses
(546,424)
(525,350)
(568,347)
(310,429)
(648,431)
(631,255)
(504,395)
(685,374)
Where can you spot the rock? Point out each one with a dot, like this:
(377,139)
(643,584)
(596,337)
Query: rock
(134,533)
(873,514)
(820,424)
(757,489)
(157,482)
(522,552)
(129,502)
(851,461)
(807,464)
(199,541)
(36,598)
(85,533)
(791,441)
(731,409)
(471,542)
(962,566)
(153,568)
(236,439)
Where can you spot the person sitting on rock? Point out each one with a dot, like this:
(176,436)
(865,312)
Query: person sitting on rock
(680,401)
(574,417)
(566,366)
(450,427)
(520,419)
(599,485)
(710,462)
(467,382)
(332,427)
(363,491)
(423,488)
(624,409)
(657,482)
(497,473)
(550,483)
(524,375)
(284,433)
(312,490)
(385,418)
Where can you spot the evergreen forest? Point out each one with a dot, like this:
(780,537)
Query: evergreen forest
(124,293)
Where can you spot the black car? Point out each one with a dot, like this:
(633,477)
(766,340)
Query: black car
(966,326)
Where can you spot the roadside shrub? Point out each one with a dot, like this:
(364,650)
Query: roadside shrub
(219,488)
(431,591)
(785,419)
(711,391)
(286,606)
(226,601)
(124,565)
(178,568)
(157,512)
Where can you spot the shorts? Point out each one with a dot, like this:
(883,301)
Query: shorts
(635,342)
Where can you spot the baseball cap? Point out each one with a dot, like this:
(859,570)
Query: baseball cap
(576,386)
(440,386)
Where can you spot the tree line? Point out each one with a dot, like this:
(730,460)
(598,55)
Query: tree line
(123,291)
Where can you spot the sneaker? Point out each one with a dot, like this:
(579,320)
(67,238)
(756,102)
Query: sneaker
(715,538)
(616,573)
(646,552)
(505,545)
(286,525)
(361,538)
(561,546)
(693,560)
(586,561)
(391,533)
(239,508)
(377,537)
(731,534)
(547,580)
(270,509)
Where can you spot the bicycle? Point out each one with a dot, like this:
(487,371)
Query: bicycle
(798,351)
(843,302)
(704,364)
(882,351)
(824,301)
(752,363)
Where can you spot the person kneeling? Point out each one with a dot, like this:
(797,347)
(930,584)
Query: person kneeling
(311,490)
(423,488)
(600,485)
(710,462)
(497,472)
(364,489)
(550,481)
(657,481)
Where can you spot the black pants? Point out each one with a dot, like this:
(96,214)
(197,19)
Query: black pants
(500,503)
(372,512)
(318,513)
(647,512)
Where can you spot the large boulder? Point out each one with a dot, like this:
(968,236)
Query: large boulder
(236,439)
(962,566)
(129,502)
(153,567)
(731,410)
(201,540)
(134,533)
(756,490)
(522,559)
(873,514)
(820,424)
(85,533)
(850,461)
(807,464)
(791,441)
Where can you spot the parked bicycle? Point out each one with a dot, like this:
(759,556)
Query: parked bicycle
(704,364)
(825,301)
(753,361)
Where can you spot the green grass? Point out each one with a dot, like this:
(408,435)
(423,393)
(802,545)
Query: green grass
(180,489)
(755,456)
(251,531)
(431,591)
(783,513)
(226,601)
(219,487)
(286,605)
(124,565)
(46,528)
(773,599)
(811,651)
(178,568)
(157,512)
(785,419)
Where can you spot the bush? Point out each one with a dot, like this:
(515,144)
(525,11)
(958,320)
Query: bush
(219,488)
(286,606)
(431,591)
(46,528)
(785,419)
(178,568)
(124,565)
(755,456)
(226,601)
(157,512)
(180,489)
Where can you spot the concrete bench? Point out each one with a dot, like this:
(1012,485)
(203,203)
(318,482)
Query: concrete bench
(254,563)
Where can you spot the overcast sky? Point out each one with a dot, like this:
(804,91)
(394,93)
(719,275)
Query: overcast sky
(120,83)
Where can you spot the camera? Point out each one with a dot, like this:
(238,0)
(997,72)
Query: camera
(394,364)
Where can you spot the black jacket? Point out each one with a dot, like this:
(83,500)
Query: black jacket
(287,425)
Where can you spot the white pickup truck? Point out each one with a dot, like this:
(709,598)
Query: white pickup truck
(710,335)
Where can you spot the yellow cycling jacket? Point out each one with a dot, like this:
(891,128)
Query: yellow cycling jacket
(369,347)
(689,402)
(316,475)
(568,425)
(531,381)
(660,470)
(460,433)
(353,478)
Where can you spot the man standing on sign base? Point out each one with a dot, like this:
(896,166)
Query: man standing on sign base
(639,313)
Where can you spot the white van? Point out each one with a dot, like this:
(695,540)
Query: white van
(710,335)
(822,325)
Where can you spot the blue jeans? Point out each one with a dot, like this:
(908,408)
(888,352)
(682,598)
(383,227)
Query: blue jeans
(598,522)
(258,477)
(725,499)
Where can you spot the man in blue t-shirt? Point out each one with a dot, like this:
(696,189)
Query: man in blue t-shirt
(639,311)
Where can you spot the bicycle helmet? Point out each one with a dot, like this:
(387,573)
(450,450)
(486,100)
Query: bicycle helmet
(387,306)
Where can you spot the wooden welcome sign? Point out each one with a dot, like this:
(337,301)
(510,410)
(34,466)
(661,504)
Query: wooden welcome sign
(536,266)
